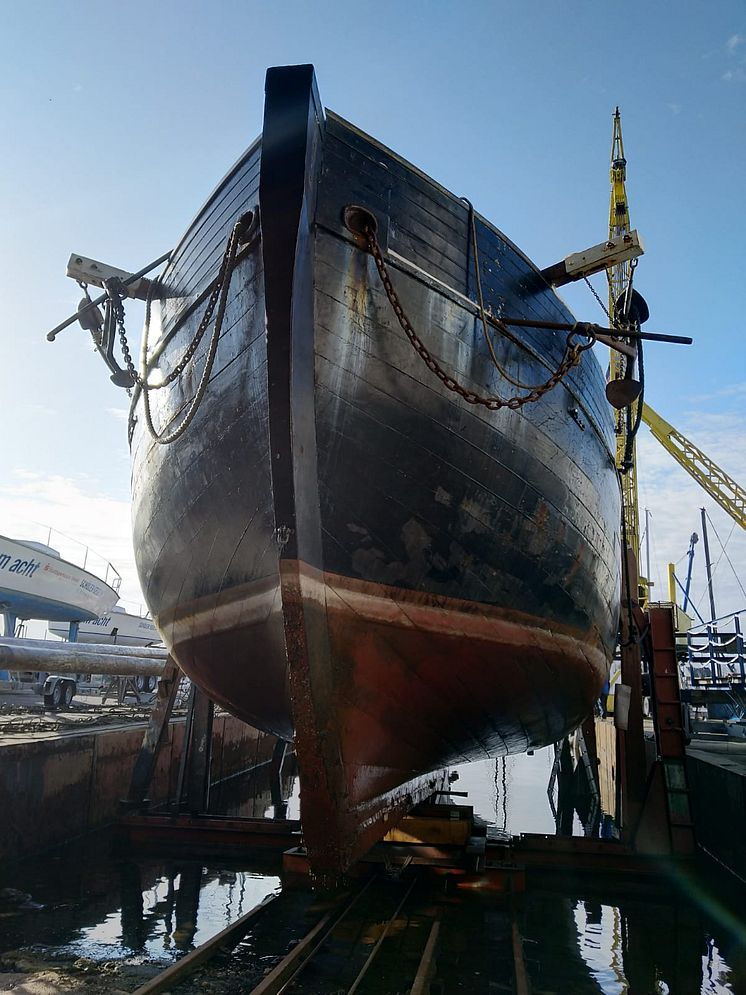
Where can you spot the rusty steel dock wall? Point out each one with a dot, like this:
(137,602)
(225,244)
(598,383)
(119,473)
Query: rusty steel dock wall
(717,783)
(57,787)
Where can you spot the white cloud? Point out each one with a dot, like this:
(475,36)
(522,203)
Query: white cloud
(728,390)
(737,75)
(80,517)
(734,41)
(120,414)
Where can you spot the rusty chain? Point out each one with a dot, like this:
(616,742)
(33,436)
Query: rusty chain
(220,291)
(226,266)
(573,349)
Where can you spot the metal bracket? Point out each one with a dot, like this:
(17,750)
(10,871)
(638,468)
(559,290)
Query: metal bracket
(95,273)
(599,257)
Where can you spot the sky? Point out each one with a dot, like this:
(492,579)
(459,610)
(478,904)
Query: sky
(119,119)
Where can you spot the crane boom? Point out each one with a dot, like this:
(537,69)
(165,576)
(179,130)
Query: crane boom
(618,278)
(718,484)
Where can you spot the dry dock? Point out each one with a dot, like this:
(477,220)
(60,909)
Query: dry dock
(717,780)
(56,785)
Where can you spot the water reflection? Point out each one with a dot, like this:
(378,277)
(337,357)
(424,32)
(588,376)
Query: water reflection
(549,791)
(575,937)
(257,793)
(87,902)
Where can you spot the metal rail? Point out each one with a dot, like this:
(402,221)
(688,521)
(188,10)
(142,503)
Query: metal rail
(177,972)
(290,966)
(283,973)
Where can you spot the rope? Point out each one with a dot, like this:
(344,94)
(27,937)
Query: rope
(573,350)
(738,580)
(483,315)
(633,429)
(219,296)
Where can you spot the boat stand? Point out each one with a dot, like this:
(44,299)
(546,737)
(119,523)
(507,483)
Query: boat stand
(119,688)
(183,825)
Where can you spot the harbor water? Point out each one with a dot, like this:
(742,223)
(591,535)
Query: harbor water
(99,920)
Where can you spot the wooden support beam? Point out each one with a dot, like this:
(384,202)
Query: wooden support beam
(279,805)
(186,965)
(142,773)
(200,754)
(423,977)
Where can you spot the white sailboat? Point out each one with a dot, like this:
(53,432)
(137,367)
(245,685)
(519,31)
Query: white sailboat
(37,583)
(117,626)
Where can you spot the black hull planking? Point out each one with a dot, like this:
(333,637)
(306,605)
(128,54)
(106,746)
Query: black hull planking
(340,549)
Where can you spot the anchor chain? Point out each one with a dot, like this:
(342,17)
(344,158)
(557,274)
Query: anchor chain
(573,349)
(220,296)
(226,266)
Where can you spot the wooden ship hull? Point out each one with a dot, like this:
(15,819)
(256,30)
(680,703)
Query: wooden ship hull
(338,549)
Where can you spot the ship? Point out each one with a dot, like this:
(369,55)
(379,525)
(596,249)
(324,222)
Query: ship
(369,517)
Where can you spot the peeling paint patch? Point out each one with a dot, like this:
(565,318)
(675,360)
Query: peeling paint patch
(443,497)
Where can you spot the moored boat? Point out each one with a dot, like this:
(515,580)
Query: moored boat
(367,515)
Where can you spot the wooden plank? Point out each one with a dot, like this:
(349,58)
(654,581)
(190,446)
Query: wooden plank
(290,965)
(423,829)
(373,179)
(522,984)
(200,753)
(397,168)
(422,979)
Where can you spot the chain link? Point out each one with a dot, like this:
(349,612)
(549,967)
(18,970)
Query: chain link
(225,265)
(219,292)
(598,298)
(218,297)
(573,349)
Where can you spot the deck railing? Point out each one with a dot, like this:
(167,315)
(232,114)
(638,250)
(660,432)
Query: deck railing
(716,656)
(69,549)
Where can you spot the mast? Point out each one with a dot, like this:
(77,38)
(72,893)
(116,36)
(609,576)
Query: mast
(708,565)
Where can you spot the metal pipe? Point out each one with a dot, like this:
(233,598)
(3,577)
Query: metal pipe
(20,657)
(582,326)
(105,649)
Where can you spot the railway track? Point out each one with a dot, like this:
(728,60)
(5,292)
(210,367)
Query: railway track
(387,936)
(348,951)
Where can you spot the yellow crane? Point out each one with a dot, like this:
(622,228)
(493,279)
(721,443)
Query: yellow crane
(718,484)
(618,277)
(714,480)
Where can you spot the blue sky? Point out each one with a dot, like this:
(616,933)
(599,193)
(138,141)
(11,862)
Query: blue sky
(118,120)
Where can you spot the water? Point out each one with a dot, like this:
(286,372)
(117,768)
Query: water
(577,935)
(82,900)
(510,794)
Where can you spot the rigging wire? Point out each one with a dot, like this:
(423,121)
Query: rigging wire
(724,553)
